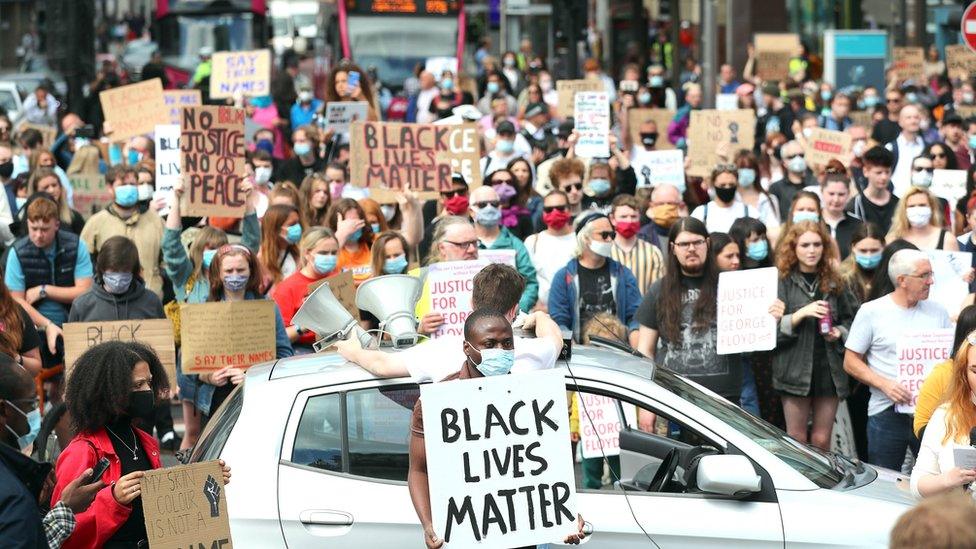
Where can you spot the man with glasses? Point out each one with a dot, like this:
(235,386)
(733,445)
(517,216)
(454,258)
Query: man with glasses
(872,357)
(906,147)
(665,207)
(797,177)
(594,283)
(453,202)
(566,175)
(887,129)
(552,248)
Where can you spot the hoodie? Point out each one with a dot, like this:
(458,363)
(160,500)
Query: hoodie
(97,305)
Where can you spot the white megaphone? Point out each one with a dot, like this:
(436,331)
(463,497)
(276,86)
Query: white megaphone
(323,314)
(392,299)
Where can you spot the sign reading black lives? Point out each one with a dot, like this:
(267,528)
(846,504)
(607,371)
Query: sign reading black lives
(185,506)
(500,461)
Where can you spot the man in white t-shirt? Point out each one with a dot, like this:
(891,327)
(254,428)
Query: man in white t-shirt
(497,287)
(872,357)
(552,248)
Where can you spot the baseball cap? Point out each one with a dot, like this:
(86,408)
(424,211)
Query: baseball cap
(505,127)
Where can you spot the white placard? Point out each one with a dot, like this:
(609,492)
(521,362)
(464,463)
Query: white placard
(167,138)
(744,322)
(340,114)
(592,123)
(964,458)
(726,102)
(949,289)
(918,351)
(450,293)
(508,482)
(505,257)
(949,184)
(654,168)
(437,66)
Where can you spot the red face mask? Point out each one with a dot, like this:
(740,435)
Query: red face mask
(627,229)
(456,205)
(556,219)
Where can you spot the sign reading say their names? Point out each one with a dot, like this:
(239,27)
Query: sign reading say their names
(135,109)
(212,147)
(246,73)
(450,284)
(186,506)
(175,100)
(744,322)
(226,334)
(655,168)
(502,470)
(710,129)
(566,91)
(167,138)
(156,333)
(918,351)
(340,114)
(823,145)
(592,124)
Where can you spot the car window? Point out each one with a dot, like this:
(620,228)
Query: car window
(211,444)
(318,442)
(7,101)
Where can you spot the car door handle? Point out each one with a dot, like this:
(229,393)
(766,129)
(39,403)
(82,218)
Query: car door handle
(325,517)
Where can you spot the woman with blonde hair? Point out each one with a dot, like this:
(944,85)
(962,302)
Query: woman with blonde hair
(918,219)
(314,199)
(319,251)
(45,180)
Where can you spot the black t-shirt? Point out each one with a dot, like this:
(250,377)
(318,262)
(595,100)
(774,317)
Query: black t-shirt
(293,170)
(134,528)
(596,293)
(29,339)
(869,212)
(785,190)
(885,131)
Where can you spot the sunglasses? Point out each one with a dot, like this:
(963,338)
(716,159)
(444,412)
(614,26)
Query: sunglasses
(485,203)
(571,187)
(549,209)
(607,235)
(447,195)
(939,155)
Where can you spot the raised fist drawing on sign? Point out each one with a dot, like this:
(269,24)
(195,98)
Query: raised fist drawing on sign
(734,132)
(212,491)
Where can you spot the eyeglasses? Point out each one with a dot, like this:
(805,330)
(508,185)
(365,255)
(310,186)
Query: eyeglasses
(570,187)
(447,195)
(500,181)
(606,235)
(464,245)
(921,169)
(485,203)
(689,244)
(562,208)
(924,276)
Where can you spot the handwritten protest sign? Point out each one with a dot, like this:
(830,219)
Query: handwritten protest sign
(390,157)
(186,506)
(490,440)
(505,257)
(157,333)
(49,134)
(661,118)
(744,322)
(212,147)
(773,54)
(567,90)
(246,73)
(135,109)
(175,100)
(167,138)
(710,129)
(823,145)
(599,424)
(960,61)
(340,114)
(918,352)
(450,293)
(949,184)
(90,193)
(342,288)
(654,168)
(592,124)
(908,63)
(226,333)
(949,288)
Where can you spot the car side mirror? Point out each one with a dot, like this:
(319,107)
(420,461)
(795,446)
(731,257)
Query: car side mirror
(727,475)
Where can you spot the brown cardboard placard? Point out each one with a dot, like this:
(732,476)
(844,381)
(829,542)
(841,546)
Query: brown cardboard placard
(240,72)
(908,62)
(861,118)
(212,152)
(710,128)
(186,506)
(390,157)
(91,194)
(566,89)
(343,289)
(175,100)
(157,333)
(960,61)
(662,117)
(135,109)
(49,134)
(822,145)
(226,334)
(773,54)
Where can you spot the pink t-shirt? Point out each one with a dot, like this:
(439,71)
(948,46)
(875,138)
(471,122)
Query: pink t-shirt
(266,117)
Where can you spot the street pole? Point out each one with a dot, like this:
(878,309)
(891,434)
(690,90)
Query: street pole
(729,32)
(676,59)
(502,28)
(709,31)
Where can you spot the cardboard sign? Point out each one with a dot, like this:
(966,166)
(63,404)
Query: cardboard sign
(505,257)
(175,100)
(592,124)
(949,184)
(909,63)
(246,73)
(498,450)
(823,145)
(226,334)
(340,114)
(91,194)
(342,288)
(390,157)
(450,284)
(567,89)
(711,128)
(661,117)
(744,322)
(773,54)
(167,139)
(212,147)
(918,352)
(49,134)
(861,118)
(186,506)
(654,168)
(157,333)
(960,61)
(948,268)
(135,109)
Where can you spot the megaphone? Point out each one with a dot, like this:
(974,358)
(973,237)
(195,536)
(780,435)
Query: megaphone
(323,314)
(392,298)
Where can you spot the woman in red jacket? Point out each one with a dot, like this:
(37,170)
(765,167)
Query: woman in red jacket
(111,395)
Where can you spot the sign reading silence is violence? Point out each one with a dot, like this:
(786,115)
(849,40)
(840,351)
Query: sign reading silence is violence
(212,149)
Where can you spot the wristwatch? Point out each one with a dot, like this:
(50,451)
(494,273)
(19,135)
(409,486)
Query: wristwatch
(43,292)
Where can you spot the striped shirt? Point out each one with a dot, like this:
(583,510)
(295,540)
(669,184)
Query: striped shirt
(645,260)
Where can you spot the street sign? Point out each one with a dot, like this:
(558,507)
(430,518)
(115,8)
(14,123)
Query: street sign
(968,26)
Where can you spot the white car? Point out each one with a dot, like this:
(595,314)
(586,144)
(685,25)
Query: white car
(319,450)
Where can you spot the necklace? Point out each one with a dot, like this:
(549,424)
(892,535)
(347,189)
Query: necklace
(133,449)
(809,287)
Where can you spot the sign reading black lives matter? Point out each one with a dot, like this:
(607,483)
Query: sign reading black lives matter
(501,469)
(185,506)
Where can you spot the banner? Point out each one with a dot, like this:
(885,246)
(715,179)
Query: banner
(567,89)
(157,333)
(949,288)
(711,128)
(135,109)
(909,63)
(823,145)
(247,73)
(390,157)
(498,452)
(342,287)
(744,322)
(212,147)
(340,114)
(773,54)
(960,61)
(175,100)
(661,118)
(918,352)
(91,194)
(450,284)
(225,334)
(592,124)
(167,138)
(186,506)
(654,168)
(949,184)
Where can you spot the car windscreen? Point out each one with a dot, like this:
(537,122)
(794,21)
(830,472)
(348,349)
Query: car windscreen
(7,101)
(212,441)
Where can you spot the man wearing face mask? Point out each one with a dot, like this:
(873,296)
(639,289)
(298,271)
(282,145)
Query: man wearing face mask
(454,202)
(665,207)
(536,128)
(840,107)
(307,159)
(303,110)
(642,258)
(508,146)
(797,177)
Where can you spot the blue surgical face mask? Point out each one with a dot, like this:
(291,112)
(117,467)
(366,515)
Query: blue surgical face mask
(208,256)
(303,148)
(261,102)
(644,98)
(494,362)
(235,282)
(447,83)
(505,146)
(797,164)
(972,141)
(133,157)
(489,216)
(493,87)
(747,176)
(757,251)
(656,81)
(395,265)
(599,186)
(20,201)
(126,195)
(293,233)
(354,237)
(375,227)
(870,101)
(116,283)
(825,95)
(799,217)
(33,424)
(869,262)
(325,264)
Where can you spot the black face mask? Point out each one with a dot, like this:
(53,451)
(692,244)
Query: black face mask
(649,139)
(6,169)
(725,194)
(141,406)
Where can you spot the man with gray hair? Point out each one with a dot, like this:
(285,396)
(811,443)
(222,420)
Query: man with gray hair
(872,358)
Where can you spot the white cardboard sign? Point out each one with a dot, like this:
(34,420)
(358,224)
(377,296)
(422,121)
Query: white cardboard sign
(918,352)
(340,114)
(949,289)
(654,168)
(949,184)
(744,322)
(593,124)
(505,257)
(167,138)
(450,293)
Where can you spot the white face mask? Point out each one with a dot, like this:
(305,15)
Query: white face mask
(262,174)
(919,216)
(145,191)
(922,179)
(600,248)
